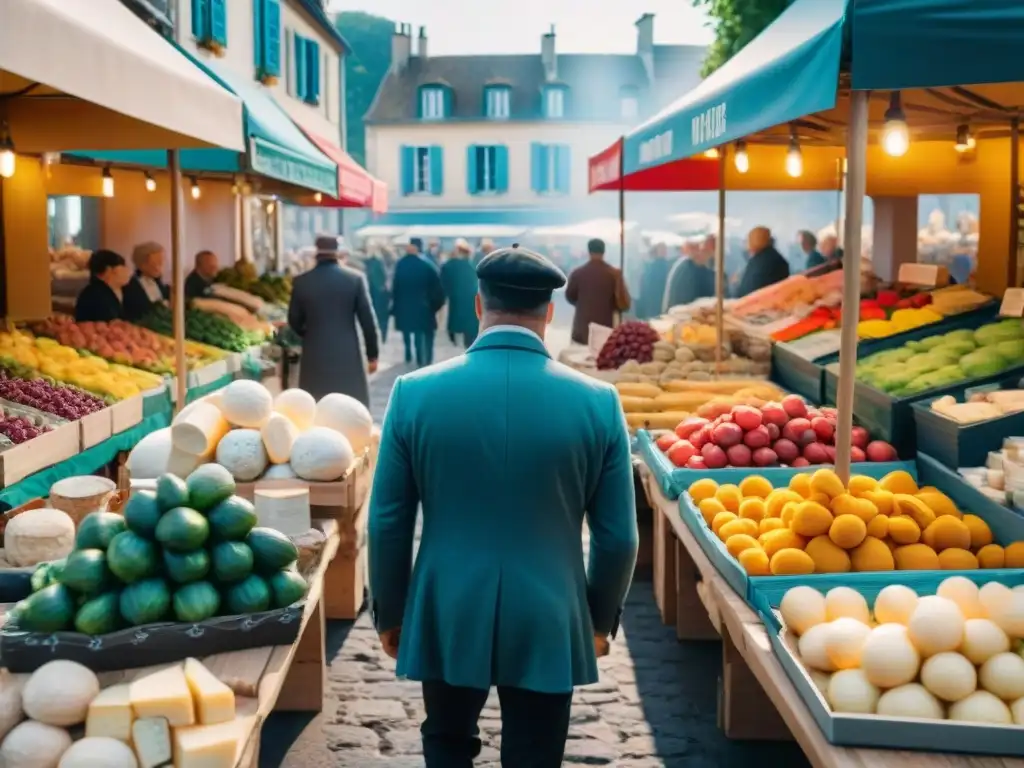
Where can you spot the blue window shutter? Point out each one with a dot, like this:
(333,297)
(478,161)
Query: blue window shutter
(471,169)
(301,78)
(563,158)
(535,166)
(313,71)
(436,170)
(501,169)
(219,21)
(407,164)
(420,96)
(447,102)
(200,19)
(258,36)
(272,38)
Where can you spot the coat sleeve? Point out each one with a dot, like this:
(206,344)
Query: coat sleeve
(367,320)
(611,517)
(135,300)
(297,313)
(572,290)
(392,520)
(435,289)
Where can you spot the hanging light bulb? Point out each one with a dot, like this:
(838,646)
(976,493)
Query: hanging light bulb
(150,183)
(270,206)
(236,186)
(7,157)
(964,140)
(711,154)
(318,198)
(895,134)
(794,158)
(108,183)
(196,191)
(741,158)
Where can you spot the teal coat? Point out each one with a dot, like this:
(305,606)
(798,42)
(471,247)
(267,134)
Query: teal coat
(507,451)
(460,286)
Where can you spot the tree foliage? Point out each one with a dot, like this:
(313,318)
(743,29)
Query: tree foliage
(736,23)
(365,67)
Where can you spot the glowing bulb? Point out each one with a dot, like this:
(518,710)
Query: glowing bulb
(895,134)
(711,154)
(270,207)
(150,183)
(794,161)
(7,163)
(108,183)
(318,198)
(741,158)
(964,140)
(196,191)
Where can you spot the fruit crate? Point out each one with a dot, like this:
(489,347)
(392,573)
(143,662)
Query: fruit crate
(126,414)
(208,374)
(94,428)
(19,461)
(796,373)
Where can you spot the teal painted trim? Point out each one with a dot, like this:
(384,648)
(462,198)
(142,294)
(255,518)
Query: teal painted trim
(283,164)
(197,392)
(471,153)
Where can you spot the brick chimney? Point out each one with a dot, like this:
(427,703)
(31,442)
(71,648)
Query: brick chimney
(421,45)
(548,56)
(645,42)
(401,47)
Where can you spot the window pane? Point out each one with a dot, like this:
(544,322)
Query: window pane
(629,106)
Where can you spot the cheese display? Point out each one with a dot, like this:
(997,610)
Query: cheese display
(214,701)
(59,693)
(110,713)
(206,746)
(163,694)
(980,406)
(151,738)
(38,535)
(98,752)
(347,416)
(34,745)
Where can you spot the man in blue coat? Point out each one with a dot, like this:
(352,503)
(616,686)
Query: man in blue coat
(508,452)
(416,297)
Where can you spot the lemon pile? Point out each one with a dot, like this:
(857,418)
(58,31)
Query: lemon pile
(818,525)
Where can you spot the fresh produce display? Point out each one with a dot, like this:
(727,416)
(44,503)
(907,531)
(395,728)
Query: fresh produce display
(980,406)
(954,655)
(818,525)
(19,429)
(204,327)
(793,297)
(186,552)
(1002,478)
(632,340)
(182,714)
(653,407)
(939,361)
(272,288)
(66,402)
(765,434)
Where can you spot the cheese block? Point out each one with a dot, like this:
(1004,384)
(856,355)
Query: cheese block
(110,714)
(284,509)
(279,435)
(214,701)
(198,430)
(208,746)
(151,737)
(164,694)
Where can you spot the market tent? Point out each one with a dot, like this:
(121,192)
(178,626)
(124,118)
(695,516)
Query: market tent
(606,229)
(129,87)
(356,187)
(605,174)
(468,231)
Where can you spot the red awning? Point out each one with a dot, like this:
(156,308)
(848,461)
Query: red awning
(690,175)
(356,187)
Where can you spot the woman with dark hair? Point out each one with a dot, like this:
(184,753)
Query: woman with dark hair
(102,300)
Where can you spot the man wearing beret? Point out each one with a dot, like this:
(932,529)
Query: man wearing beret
(508,452)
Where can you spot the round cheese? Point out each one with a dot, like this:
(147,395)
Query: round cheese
(37,536)
(34,745)
(321,454)
(198,429)
(279,435)
(241,453)
(298,405)
(348,416)
(150,456)
(246,403)
(60,692)
(99,752)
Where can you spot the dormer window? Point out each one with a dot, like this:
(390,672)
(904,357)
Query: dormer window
(435,102)
(554,101)
(497,102)
(629,103)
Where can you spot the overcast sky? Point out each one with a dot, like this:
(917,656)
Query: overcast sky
(515,26)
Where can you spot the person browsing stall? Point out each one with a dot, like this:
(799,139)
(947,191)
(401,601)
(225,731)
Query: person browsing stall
(597,290)
(146,288)
(199,282)
(417,295)
(102,299)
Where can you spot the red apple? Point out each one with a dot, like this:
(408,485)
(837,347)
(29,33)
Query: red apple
(794,406)
(696,462)
(857,455)
(726,435)
(773,413)
(757,438)
(666,441)
(681,452)
(815,453)
(879,450)
(765,457)
(822,428)
(859,437)
(747,417)
(830,452)
(714,456)
(800,461)
(786,450)
(687,427)
(774,432)
(739,456)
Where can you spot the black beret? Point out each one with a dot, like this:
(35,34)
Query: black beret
(519,269)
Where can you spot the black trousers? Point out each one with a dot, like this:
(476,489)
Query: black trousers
(534,726)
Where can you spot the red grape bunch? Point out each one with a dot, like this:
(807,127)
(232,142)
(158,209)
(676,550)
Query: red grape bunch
(633,340)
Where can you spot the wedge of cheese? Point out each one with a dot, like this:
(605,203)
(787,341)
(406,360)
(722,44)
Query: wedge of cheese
(208,746)
(110,714)
(151,737)
(214,701)
(164,694)
(198,429)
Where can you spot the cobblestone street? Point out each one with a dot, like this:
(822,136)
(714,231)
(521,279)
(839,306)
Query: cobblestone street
(655,706)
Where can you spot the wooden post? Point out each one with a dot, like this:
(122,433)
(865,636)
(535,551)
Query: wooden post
(303,688)
(178,277)
(745,713)
(692,620)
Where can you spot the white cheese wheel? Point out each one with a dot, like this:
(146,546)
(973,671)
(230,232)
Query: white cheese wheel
(241,452)
(279,472)
(298,405)
(10,701)
(60,692)
(198,429)
(34,745)
(321,454)
(348,416)
(99,752)
(149,458)
(37,536)
(279,435)
(246,403)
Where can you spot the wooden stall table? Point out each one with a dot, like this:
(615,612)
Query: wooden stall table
(757,699)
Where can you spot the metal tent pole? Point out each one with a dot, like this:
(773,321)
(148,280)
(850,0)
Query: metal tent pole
(178,276)
(720,265)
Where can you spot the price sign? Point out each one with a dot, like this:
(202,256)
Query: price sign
(925,275)
(1013,303)
(597,336)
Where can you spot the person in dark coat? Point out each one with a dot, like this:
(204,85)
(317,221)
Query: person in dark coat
(809,245)
(380,296)
(102,299)
(326,304)
(486,247)
(200,280)
(416,297)
(652,283)
(692,277)
(146,289)
(766,265)
(458,277)
(598,291)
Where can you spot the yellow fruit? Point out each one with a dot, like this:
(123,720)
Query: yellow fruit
(898,482)
(991,556)
(915,508)
(947,532)
(981,536)
(845,504)
(872,555)
(739,542)
(730,496)
(709,508)
(770,524)
(753,509)
(736,526)
(811,519)
(778,498)
(801,484)
(721,519)
(956,559)
(903,530)
(883,500)
(826,481)
(755,485)
(847,531)
(791,562)
(939,503)
(821,498)
(755,562)
(916,557)
(784,538)
(1013,554)
(788,510)
(703,489)
(879,527)
(827,557)
(859,484)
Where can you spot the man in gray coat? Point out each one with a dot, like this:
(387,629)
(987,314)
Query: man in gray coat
(326,303)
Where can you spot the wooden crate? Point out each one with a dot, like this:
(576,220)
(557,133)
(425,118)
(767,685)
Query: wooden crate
(125,414)
(94,428)
(207,374)
(60,443)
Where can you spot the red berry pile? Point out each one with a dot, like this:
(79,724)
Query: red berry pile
(633,340)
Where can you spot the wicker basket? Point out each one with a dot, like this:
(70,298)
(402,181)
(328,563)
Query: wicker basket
(78,496)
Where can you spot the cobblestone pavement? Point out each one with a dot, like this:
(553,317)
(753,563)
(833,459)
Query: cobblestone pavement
(655,706)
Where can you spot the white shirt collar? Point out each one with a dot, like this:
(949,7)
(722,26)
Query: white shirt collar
(512,329)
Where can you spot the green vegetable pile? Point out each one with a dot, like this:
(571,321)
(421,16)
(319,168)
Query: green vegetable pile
(205,327)
(188,552)
(273,288)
